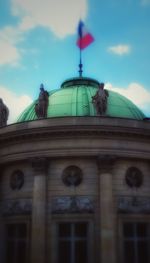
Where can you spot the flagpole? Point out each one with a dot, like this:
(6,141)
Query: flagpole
(80,47)
(80,63)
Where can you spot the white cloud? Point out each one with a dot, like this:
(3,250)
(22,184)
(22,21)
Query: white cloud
(9,54)
(136,93)
(11,34)
(120,50)
(27,23)
(16,104)
(145,2)
(9,38)
(60,16)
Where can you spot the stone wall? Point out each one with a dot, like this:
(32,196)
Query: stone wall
(26,190)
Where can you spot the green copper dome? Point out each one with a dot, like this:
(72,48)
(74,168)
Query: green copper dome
(74,98)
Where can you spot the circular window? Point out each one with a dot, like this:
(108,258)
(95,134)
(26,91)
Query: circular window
(16,180)
(72,176)
(134,177)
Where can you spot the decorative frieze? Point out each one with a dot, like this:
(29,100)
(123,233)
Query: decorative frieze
(16,207)
(72,204)
(133,204)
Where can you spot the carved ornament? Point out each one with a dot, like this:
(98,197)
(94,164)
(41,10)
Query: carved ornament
(134,204)
(72,176)
(72,204)
(17,180)
(134,177)
(16,207)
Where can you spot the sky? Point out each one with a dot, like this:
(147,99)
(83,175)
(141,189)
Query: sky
(38,45)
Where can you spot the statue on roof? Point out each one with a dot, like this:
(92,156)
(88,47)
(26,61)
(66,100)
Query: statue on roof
(42,104)
(100,100)
(4,113)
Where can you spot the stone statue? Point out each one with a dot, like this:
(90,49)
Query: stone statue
(100,100)
(42,104)
(4,113)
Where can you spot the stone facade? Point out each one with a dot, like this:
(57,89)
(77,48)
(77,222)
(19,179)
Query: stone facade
(103,149)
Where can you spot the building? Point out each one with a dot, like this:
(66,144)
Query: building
(75,186)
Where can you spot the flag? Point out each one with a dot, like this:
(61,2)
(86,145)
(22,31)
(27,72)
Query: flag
(84,37)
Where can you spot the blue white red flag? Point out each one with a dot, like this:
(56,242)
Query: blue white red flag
(84,37)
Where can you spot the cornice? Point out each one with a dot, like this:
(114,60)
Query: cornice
(75,153)
(32,131)
(71,128)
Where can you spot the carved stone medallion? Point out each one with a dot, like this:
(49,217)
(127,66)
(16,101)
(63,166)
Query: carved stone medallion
(134,177)
(16,180)
(72,176)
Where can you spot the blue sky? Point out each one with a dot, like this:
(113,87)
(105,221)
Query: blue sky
(38,45)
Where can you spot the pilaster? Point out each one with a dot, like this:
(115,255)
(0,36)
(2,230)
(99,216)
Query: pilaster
(38,243)
(107,213)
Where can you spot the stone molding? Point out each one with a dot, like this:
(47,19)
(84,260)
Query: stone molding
(86,128)
(105,162)
(38,129)
(79,131)
(39,165)
(133,204)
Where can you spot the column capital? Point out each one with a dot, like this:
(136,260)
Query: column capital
(39,164)
(105,162)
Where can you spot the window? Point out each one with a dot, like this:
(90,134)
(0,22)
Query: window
(136,242)
(72,242)
(16,243)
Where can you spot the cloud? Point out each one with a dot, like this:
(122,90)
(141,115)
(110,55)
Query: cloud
(16,104)
(9,54)
(138,94)
(59,16)
(9,38)
(145,2)
(120,50)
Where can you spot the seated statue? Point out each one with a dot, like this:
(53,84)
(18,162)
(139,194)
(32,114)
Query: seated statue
(42,104)
(100,100)
(4,113)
